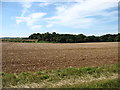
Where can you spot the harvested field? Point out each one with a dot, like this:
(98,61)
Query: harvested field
(21,57)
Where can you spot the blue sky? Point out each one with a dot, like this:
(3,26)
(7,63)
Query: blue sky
(89,17)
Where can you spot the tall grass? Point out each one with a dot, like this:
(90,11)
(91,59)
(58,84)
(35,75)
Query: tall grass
(69,77)
(114,83)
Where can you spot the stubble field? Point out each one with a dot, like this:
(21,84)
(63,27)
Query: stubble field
(22,57)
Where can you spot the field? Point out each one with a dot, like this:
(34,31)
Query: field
(56,65)
(22,57)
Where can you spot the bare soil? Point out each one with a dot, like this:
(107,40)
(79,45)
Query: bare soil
(22,57)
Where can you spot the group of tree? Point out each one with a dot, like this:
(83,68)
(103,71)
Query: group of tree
(70,38)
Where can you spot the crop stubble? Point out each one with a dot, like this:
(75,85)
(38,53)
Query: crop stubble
(21,57)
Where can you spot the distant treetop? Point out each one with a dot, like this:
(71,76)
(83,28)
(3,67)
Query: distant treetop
(70,38)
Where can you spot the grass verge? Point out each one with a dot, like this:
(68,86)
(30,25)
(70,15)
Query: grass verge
(111,82)
(105,76)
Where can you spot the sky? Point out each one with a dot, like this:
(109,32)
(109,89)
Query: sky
(89,17)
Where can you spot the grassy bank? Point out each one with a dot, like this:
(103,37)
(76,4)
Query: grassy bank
(19,40)
(25,41)
(105,77)
(102,83)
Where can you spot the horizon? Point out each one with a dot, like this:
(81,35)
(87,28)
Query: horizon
(21,19)
(51,33)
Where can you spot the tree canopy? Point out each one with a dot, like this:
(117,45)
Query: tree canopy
(70,38)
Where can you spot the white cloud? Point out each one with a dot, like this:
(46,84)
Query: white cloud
(37,15)
(49,25)
(26,6)
(51,0)
(36,27)
(77,15)
(82,14)
(44,4)
(31,20)
(21,19)
(18,21)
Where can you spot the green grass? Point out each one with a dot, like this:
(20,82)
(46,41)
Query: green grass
(53,78)
(45,42)
(19,40)
(25,41)
(114,83)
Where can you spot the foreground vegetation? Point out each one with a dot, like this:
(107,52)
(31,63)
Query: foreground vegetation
(64,38)
(86,77)
(114,83)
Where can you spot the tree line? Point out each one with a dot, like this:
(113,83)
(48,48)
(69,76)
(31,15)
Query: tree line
(70,38)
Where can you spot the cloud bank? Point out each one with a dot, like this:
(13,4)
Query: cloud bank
(82,14)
